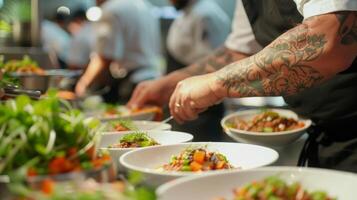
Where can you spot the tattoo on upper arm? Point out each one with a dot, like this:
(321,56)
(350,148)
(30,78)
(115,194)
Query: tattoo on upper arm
(221,58)
(280,69)
(348,27)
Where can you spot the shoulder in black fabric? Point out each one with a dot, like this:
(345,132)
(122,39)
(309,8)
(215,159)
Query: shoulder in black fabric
(271,18)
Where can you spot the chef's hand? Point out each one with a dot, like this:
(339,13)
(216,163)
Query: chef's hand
(155,92)
(193,96)
(81,87)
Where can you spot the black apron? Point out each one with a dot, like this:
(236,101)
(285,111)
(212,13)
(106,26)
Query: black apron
(332,141)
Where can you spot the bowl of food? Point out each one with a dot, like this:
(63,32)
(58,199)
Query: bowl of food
(288,183)
(161,164)
(109,112)
(118,143)
(135,125)
(268,127)
(47,139)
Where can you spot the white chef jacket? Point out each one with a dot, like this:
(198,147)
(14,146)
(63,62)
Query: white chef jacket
(202,27)
(242,37)
(129,33)
(82,44)
(55,39)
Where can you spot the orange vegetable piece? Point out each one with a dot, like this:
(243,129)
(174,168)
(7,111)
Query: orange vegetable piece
(199,156)
(195,166)
(31,172)
(47,186)
(220,164)
(72,151)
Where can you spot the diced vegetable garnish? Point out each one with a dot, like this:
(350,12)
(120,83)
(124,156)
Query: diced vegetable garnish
(275,188)
(267,122)
(197,159)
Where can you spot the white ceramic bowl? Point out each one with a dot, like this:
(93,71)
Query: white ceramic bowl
(162,137)
(143,125)
(149,160)
(276,139)
(337,184)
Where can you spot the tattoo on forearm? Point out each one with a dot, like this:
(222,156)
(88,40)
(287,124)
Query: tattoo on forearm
(280,69)
(348,27)
(221,58)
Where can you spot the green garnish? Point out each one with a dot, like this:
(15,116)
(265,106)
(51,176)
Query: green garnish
(140,138)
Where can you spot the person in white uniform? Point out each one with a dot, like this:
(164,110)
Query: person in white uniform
(202,27)
(303,50)
(129,34)
(55,40)
(83,40)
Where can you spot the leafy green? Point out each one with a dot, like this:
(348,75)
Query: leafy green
(37,131)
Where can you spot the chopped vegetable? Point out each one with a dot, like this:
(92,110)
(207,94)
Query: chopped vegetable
(197,159)
(134,140)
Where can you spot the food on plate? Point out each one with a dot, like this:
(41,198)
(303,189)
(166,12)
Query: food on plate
(276,188)
(197,159)
(122,125)
(135,140)
(268,121)
(112,110)
(26,65)
(67,95)
(46,137)
(89,189)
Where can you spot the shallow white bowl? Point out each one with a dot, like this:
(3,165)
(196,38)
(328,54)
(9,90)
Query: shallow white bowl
(149,160)
(337,184)
(162,137)
(135,116)
(276,139)
(151,125)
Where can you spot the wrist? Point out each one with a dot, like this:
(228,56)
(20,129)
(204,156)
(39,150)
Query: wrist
(217,87)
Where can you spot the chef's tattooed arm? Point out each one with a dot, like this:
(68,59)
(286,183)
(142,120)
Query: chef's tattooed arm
(306,55)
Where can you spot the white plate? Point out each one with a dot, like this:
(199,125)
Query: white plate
(162,137)
(337,184)
(143,125)
(149,160)
(275,139)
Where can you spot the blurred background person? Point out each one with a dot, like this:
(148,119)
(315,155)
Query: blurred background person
(55,39)
(202,27)
(127,43)
(83,40)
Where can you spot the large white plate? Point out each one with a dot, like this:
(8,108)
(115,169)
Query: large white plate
(275,139)
(149,160)
(337,184)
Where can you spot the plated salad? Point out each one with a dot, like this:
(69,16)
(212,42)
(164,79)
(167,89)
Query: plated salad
(275,188)
(135,140)
(197,159)
(26,65)
(121,125)
(268,121)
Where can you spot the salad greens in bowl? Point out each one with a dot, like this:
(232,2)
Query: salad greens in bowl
(47,138)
